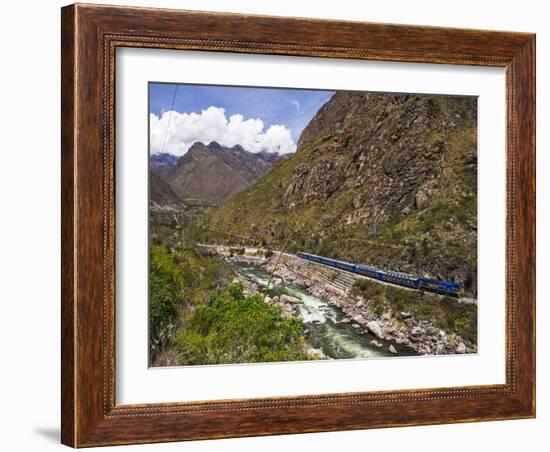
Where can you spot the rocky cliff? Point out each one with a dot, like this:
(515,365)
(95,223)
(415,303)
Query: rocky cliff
(389,180)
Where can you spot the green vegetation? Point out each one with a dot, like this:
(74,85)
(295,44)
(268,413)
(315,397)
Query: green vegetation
(179,280)
(233,328)
(197,317)
(165,286)
(442,312)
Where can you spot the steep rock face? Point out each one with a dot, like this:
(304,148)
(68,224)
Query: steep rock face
(389,180)
(214,172)
(390,152)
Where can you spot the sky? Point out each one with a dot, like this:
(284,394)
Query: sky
(259,119)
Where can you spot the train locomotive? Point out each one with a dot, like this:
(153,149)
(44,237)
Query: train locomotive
(450,288)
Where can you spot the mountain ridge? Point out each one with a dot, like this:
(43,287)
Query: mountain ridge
(210,172)
(385,179)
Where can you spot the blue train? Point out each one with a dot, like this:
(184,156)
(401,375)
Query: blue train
(432,285)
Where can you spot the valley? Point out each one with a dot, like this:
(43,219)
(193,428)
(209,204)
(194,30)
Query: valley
(379,179)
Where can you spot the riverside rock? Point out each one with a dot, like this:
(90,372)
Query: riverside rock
(375,329)
(461,348)
(289,299)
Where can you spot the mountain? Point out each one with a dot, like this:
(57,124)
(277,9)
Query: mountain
(388,180)
(213,172)
(271,157)
(161,195)
(162,163)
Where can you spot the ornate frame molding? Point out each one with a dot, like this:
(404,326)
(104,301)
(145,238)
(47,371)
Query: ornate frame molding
(90,37)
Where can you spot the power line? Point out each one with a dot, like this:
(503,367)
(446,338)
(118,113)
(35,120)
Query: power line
(169,118)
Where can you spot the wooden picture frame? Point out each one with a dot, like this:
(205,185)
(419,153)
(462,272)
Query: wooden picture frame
(90,36)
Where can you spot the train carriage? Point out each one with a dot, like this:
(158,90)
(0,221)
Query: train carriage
(403,279)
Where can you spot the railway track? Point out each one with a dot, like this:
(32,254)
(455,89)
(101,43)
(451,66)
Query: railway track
(346,279)
(339,279)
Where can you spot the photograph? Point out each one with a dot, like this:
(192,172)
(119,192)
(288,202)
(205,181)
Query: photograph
(292,224)
(252,226)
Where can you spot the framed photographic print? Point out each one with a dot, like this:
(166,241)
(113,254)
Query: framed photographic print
(281,225)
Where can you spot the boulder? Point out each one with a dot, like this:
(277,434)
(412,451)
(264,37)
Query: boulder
(392,349)
(417,331)
(375,329)
(289,299)
(432,330)
(461,348)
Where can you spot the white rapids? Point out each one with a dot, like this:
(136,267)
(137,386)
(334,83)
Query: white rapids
(322,321)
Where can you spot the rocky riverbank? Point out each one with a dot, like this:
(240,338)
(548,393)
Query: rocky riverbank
(399,327)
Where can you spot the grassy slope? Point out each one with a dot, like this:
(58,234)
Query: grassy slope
(440,235)
(256,210)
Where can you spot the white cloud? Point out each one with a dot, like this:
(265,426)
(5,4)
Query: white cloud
(177,132)
(296,104)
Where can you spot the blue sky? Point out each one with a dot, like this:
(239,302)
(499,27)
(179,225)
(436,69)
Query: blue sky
(292,108)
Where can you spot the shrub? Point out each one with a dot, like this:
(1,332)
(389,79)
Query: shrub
(178,281)
(233,328)
(165,285)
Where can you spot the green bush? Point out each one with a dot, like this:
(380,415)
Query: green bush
(178,281)
(233,328)
(165,286)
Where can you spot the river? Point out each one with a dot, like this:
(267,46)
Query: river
(322,321)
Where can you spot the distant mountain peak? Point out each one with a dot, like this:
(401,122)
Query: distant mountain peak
(162,163)
(211,171)
(194,146)
(238,148)
(164,157)
(270,156)
(215,172)
(214,145)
